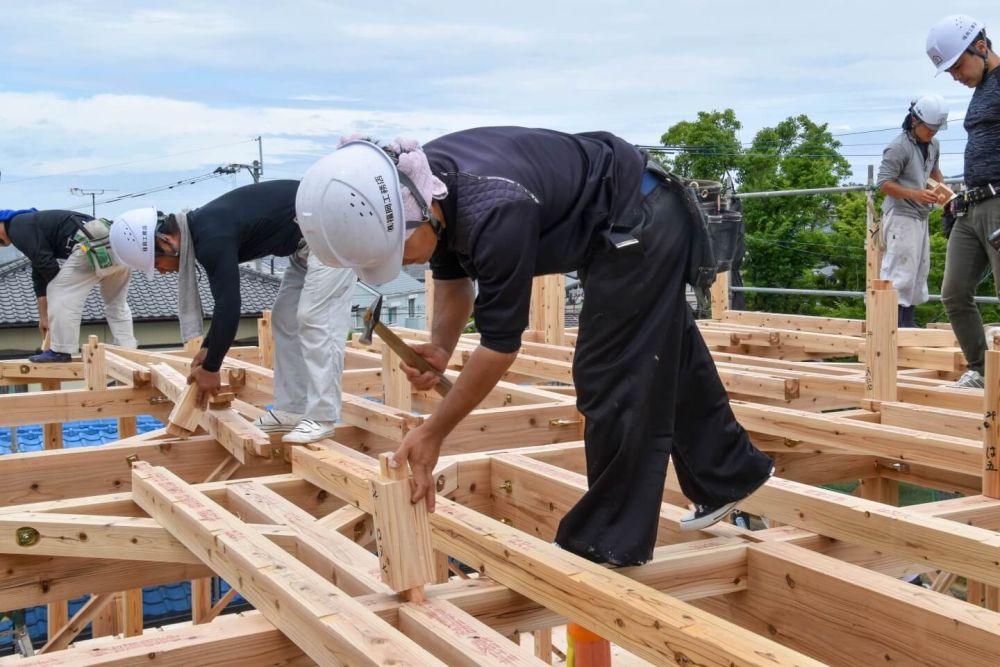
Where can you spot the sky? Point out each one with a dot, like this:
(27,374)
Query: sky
(127,96)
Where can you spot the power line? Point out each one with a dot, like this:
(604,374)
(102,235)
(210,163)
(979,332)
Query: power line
(122,164)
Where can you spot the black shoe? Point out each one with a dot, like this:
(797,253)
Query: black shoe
(704,516)
(51,357)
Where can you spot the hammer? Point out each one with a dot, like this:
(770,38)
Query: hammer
(405,352)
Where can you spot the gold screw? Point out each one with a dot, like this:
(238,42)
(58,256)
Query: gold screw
(132,459)
(26,536)
(507,399)
(507,486)
(440,483)
(507,522)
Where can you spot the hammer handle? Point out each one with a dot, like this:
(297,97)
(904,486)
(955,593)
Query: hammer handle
(411,358)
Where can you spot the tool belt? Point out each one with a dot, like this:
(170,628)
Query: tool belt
(94,241)
(973,196)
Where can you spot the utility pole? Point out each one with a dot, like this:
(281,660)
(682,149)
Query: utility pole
(84,192)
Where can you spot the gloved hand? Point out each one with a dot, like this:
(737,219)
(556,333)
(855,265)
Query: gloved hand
(948,218)
(413,163)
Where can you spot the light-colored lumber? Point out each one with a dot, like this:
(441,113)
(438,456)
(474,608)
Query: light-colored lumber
(397,388)
(325,623)
(265,340)
(548,307)
(880,336)
(991,434)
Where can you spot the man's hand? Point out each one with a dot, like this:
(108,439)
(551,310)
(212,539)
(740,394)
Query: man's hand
(924,196)
(199,358)
(436,356)
(421,448)
(43,325)
(208,383)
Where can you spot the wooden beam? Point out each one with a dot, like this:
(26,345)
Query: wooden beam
(991,434)
(943,544)
(325,623)
(76,404)
(658,628)
(720,295)
(265,340)
(548,307)
(880,336)
(397,388)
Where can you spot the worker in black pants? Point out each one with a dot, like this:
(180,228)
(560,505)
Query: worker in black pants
(501,205)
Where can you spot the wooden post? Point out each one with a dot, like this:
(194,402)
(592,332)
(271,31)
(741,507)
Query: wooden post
(94,368)
(52,435)
(402,533)
(429,298)
(57,616)
(398,390)
(991,434)
(201,600)
(720,296)
(127,427)
(548,308)
(132,613)
(543,645)
(874,243)
(880,347)
(265,341)
(192,346)
(186,415)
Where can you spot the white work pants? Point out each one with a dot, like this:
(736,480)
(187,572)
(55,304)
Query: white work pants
(68,291)
(310,321)
(907,259)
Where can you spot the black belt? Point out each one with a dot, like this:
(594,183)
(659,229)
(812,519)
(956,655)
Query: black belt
(979,194)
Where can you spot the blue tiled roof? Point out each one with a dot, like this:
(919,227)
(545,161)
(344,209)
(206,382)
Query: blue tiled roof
(149,298)
(160,604)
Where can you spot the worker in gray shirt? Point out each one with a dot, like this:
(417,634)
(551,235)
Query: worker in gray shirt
(958,45)
(907,162)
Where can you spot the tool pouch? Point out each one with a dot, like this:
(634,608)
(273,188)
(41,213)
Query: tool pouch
(702,263)
(94,241)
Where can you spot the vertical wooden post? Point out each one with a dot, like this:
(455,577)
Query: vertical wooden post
(991,434)
(94,368)
(548,308)
(720,296)
(132,613)
(52,435)
(879,489)
(398,390)
(429,298)
(57,616)
(402,533)
(192,346)
(880,341)
(874,248)
(201,600)
(127,427)
(265,341)
(107,620)
(543,645)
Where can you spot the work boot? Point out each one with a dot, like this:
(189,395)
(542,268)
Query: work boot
(307,431)
(277,421)
(50,357)
(704,516)
(906,317)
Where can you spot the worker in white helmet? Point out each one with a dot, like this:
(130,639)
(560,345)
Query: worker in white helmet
(310,317)
(500,205)
(907,162)
(958,45)
(47,236)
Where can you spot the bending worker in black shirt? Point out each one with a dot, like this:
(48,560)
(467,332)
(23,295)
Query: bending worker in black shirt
(46,236)
(310,317)
(512,203)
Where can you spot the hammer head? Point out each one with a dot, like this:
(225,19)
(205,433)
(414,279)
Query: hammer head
(371,318)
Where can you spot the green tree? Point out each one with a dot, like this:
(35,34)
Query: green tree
(788,238)
(711,147)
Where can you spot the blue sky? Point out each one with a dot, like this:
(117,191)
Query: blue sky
(128,96)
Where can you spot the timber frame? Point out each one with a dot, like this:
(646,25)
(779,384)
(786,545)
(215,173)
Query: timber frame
(341,569)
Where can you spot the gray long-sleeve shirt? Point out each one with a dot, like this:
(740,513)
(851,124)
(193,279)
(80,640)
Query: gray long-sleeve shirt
(903,163)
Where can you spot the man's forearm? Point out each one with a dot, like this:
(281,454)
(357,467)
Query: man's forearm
(453,300)
(896,190)
(481,373)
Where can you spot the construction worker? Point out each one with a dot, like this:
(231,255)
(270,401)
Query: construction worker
(47,236)
(500,205)
(958,45)
(311,314)
(907,162)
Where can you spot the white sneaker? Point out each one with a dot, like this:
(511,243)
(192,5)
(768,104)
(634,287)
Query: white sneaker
(970,380)
(308,431)
(277,421)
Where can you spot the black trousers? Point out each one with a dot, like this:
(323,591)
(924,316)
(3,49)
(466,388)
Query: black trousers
(648,388)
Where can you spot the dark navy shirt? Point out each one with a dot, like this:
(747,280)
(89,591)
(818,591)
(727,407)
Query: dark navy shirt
(982,123)
(522,203)
(43,237)
(247,223)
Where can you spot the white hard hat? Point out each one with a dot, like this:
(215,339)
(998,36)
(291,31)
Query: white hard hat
(133,239)
(350,208)
(950,38)
(932,111)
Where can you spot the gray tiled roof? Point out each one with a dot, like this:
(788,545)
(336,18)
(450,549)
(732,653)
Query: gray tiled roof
(150,299)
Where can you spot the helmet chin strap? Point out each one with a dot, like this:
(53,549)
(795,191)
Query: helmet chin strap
(425,210)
